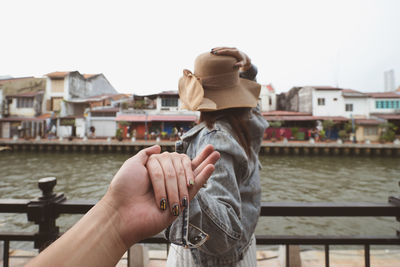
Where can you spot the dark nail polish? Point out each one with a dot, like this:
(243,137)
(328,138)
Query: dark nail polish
(184,202)
(163,204)
(175,209)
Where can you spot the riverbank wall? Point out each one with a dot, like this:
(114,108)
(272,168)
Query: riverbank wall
(267,148)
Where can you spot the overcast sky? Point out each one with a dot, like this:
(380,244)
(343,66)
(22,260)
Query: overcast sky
(143,46)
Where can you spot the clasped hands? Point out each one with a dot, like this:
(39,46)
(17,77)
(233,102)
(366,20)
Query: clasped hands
(151,189)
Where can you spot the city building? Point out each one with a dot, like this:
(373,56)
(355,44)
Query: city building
(70,94)
(156,115)
(21,105)
(267,100)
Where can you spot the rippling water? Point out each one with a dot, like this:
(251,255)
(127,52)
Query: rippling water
(283,178)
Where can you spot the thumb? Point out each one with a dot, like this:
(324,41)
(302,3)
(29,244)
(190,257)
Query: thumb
(144,154)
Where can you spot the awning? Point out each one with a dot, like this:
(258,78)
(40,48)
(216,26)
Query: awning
(22,119)
(143,118)
(304,118)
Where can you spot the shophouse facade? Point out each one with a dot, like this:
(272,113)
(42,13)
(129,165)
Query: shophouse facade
(156,115)
(69,95)
(21,105)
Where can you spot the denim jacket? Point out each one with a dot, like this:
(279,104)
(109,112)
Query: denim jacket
(226,210)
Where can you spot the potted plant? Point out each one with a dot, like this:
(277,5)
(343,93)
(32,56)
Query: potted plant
(118,134)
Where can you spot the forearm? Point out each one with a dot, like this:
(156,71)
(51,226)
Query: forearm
(93,241)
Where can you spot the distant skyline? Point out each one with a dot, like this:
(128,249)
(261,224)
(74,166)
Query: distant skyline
(142,47)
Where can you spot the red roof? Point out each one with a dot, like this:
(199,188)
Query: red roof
(62,74)
(58,74)
(143,118)
(284,113)
(104,110)
(2,81)
(367,121)
(22,119)
(388,116)
(325,87)
(385,95)
(26,94)
(304,118)
(87,76)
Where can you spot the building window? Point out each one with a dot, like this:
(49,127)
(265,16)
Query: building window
(370,131)
(387,104)
(335,99)
(349,107)
(169,102)
(321,101)
(270,100)
(25,102)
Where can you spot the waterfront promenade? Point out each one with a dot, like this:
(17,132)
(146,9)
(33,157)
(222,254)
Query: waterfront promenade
(265,258)
(267,147)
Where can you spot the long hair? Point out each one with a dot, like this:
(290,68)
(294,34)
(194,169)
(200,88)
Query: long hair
(238,118)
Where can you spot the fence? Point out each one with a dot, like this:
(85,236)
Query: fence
(44,211)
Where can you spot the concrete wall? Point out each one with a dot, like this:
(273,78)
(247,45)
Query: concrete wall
(1,103)
(362,135)
(99,85)
(79,87)
(360,107)
(305,103)
(265,96)
(104,126)
(334,103)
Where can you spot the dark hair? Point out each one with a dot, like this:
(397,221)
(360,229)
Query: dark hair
(238,118)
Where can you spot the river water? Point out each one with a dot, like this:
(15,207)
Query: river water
(283,179)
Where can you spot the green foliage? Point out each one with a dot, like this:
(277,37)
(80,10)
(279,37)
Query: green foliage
(328,124)
(322,134)
(139,104)
(343,134)
(388,133)
(348,127)
(275,124)
(118,134)
(295,132)
(124,123)
(125,105)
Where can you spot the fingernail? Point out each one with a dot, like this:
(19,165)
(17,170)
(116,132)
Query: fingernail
(163,204)
(184,202)
(191,182)
(175,209)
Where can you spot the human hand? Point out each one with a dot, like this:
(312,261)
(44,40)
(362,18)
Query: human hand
(244,62)
(172,174)
(131,196)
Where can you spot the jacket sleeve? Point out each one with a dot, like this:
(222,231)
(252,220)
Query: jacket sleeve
(216,209)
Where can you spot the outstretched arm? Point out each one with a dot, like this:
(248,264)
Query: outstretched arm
(125,215)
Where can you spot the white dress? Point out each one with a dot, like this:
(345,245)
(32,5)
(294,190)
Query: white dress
(181,257)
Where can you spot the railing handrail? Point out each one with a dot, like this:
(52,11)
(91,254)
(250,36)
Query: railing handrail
(268,209)
(45,209)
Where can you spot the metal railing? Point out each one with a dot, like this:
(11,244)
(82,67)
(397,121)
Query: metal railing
(44,211)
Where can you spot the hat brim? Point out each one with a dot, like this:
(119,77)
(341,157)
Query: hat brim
(244,94)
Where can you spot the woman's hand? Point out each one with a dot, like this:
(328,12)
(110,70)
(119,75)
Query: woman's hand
(244,62)
(176,179)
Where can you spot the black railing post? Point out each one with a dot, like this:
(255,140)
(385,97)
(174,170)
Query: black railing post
(396,201)
(42,212)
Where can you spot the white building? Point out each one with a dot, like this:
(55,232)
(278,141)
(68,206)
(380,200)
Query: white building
(69,95)
(356,104)
(267,99)
(384,103)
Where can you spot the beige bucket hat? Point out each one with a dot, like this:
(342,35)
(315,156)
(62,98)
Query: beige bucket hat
(216,85)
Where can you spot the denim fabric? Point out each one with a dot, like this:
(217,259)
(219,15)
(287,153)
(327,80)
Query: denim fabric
(227,208)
